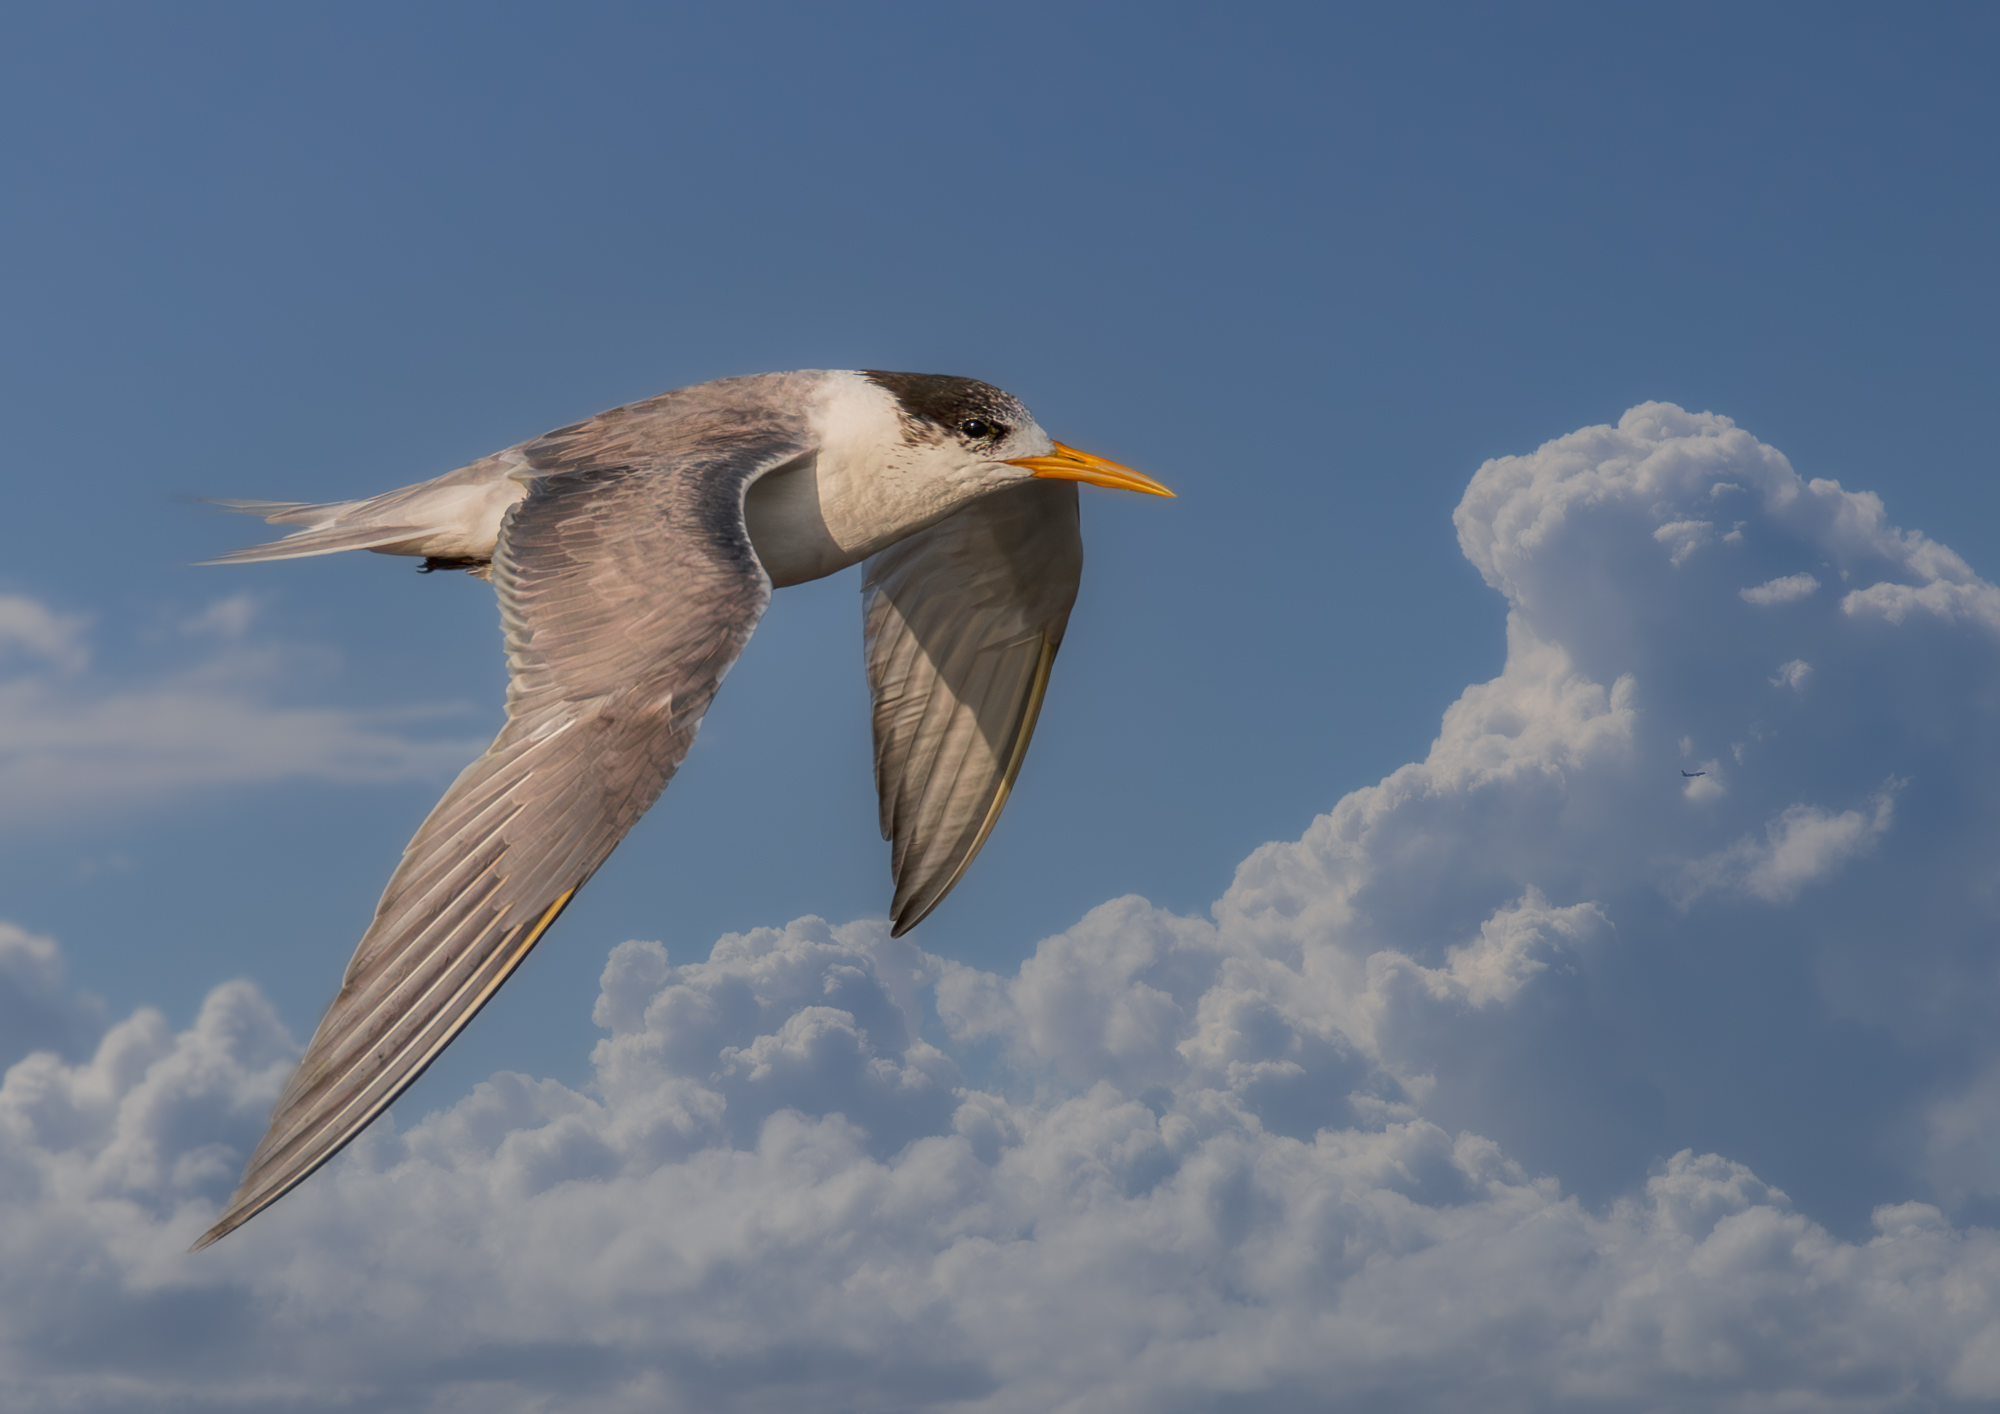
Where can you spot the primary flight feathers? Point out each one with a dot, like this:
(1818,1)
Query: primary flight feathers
(632,554)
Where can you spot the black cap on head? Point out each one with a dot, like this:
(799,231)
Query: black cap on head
(948,401)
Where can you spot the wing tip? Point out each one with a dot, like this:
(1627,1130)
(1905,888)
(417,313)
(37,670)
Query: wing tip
(258,1191)
(235,1215)
(911,908)
(908,910)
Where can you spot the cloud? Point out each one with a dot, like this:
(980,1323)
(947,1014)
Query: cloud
(75,744)
(1528,1077)
(227,618)
(1802,845)
(37,1010)
(1792,675)
(1683,537)
(1788,590)
(1944,598)
(705,1233)
(32,629)
(1705,783)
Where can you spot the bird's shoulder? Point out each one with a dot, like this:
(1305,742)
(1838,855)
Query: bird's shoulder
(698,429)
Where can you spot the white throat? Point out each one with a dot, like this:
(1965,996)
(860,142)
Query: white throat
(865,488)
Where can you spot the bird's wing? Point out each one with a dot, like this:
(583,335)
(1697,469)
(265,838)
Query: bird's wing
(627,591)
(962,622)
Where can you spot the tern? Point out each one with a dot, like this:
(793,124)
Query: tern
(632,554)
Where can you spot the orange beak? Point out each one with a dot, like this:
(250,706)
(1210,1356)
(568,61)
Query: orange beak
(1068,464)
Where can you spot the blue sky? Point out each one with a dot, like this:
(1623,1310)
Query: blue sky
(1346,718)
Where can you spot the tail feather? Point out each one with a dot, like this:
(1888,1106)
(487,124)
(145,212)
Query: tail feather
(453,519)
(283,512)
(320,540)
(331,527)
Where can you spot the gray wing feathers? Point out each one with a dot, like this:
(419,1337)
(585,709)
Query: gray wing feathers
(626,592)
(961,624)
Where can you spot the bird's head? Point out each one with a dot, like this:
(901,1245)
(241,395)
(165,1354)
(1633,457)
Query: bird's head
(977,434)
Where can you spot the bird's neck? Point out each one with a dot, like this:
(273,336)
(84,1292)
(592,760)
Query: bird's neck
(867,486)
(816,516)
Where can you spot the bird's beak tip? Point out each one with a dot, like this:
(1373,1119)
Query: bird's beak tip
(1068,464)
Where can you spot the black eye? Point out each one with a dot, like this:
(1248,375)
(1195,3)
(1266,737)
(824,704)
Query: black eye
(979,428)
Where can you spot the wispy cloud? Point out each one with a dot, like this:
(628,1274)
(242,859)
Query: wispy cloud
(1792,675)
(1802,845)
(1787,590)
(76,743)
(30,629)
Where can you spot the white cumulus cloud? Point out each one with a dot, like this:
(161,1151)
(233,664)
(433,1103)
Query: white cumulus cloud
(1454,1102)
(702,1230)
(37,1010)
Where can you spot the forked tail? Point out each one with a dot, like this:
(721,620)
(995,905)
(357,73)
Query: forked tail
(329,527)
(454,519)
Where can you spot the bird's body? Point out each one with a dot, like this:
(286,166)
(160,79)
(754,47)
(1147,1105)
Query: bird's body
(847,489)
(632,554)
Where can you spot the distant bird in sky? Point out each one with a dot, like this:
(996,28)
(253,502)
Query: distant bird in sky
(1692,774)
(632,554)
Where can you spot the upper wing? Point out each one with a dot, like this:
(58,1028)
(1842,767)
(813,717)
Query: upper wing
(626,591)
(962,622)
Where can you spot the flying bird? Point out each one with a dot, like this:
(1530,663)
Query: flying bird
(632,554)
(1692,774)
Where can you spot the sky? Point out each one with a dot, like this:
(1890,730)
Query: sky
(1359,1006)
